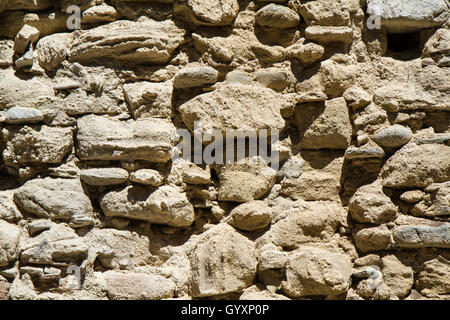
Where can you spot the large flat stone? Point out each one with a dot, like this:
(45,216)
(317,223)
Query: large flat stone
(100,138)
(135,42)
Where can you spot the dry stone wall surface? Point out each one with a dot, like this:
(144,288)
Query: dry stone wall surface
(116,180)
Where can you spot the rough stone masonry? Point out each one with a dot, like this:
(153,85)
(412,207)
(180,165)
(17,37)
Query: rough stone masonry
(94,206)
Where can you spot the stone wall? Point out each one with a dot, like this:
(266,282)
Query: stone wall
(94,205)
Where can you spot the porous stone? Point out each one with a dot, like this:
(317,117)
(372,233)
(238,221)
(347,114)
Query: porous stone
(149,100)
(9,240)
(306,53)
(220,110)
(433,277)
(52,50)
(328,12)
(100,138)
(397,276)
(213,13)
(99,14)
(373,239)
(299,222)
(6,53)
(147,177)
(233,267)
(245,182)
(166,205)
(314,271)
(138,286)
(417,166)
(139,42)
(8,209)
(324,125)
(369,204)
(250,216)
(119,249)
(36,145)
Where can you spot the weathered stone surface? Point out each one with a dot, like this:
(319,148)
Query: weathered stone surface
(195,76)
(17,92)
(263,104)
(250,216)
(255,293)
(4,287)
(166,205)
(329,34)
(119,249)
(52,50)
(328,12)
(148,99)
(29,5)
(370,205)
(8,209)
(357,97)
(147,177)
(6,53)
(138,286)
(104,176)
(398,277)
(59,245)
(303,222)
(221,272)
(26,36)
(100,138)
(417,166)
(314,271)
(306,53)
(422,236)
(434,277)
(245,182)
(9,240)
(320,178)
(36,145)
(136,42)
(277,16)
(21,115)
(373,239)
(58,199)
(98,14)
(213,13)
(404,16)
(324,125)
(393,137)
(439,43)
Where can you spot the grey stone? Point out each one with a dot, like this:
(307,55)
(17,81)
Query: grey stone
(21,115)
(25,61)
(291,169)
(104,176)
(422,236)
(407,16)
(369,150)
(393,137)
